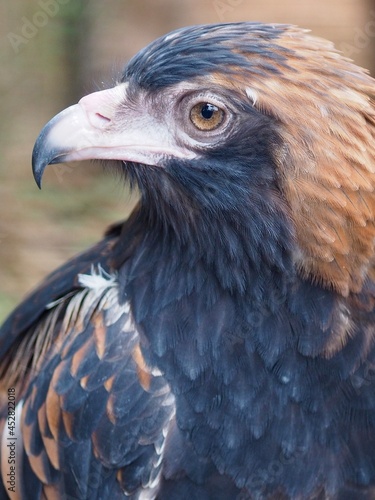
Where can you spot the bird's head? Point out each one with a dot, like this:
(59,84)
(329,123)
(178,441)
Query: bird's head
(243,122)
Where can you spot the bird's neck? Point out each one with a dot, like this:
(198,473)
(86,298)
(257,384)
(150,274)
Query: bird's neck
(226,297)
(247,347)
(204,290)
(233,252)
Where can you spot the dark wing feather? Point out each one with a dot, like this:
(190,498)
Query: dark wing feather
(94,415)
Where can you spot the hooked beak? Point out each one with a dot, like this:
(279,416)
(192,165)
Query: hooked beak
(104,126)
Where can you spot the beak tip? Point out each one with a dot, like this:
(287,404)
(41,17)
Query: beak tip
(38,182)
(48,148)
(38,168)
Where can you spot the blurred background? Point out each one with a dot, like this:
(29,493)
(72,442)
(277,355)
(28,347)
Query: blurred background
(55,51)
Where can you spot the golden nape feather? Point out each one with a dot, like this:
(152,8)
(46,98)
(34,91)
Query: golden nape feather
(324,105)
(328,170)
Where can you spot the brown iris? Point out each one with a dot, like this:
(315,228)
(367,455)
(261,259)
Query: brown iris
(206,116)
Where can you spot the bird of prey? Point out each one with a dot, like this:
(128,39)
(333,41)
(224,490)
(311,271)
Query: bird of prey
(220,343)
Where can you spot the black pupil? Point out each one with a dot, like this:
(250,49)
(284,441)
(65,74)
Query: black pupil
(208,110)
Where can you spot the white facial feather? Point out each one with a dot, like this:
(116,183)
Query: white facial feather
(252,95)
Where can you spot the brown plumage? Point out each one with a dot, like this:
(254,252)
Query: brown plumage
(325,106)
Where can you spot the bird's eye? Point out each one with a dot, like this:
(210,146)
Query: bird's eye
(206,116)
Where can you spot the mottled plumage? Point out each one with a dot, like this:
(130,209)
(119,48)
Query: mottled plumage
(220,343)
